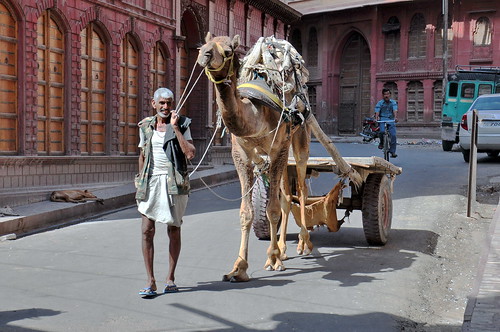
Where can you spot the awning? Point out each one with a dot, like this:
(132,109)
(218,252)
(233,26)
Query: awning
(307,7)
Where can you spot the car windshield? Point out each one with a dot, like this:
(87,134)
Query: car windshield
(486,104)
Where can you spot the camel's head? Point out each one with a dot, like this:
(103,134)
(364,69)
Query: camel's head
(217,52)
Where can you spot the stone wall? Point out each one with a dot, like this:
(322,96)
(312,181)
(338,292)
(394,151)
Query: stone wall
(26,180)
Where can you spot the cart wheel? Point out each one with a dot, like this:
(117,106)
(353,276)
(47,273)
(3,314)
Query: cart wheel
(377,209)
(260,198)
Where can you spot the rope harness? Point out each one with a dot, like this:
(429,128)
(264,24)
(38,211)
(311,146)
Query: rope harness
(290,115)
(208,71)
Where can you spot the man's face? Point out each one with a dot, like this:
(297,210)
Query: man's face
(163,106)
(387,95)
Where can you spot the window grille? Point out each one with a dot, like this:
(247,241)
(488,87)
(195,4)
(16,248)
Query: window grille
(93,92)
(50,99)
(8,83)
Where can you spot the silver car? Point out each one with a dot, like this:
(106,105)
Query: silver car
(488,126)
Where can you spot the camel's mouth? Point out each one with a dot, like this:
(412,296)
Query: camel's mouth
(204,58)
(208,51)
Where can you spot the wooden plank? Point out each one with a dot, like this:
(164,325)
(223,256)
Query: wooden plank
(370,164)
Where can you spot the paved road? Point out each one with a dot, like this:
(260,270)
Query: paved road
(86,277)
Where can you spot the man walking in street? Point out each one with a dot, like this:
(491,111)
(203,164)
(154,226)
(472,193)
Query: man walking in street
(163,182)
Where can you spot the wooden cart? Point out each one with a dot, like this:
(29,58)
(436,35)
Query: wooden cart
(373,197)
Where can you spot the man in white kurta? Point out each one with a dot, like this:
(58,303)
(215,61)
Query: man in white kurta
(162,183)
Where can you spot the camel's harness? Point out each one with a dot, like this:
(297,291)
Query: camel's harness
(289,114)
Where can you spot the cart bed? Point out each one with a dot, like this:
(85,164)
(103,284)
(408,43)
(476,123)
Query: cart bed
(363,165)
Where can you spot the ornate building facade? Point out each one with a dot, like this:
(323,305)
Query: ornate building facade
(353,49)
(77,76)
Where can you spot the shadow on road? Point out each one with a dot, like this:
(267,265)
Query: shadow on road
(360,262)
(15,315)
(302,321)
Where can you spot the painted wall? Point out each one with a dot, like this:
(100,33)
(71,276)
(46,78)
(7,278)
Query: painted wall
(335,28)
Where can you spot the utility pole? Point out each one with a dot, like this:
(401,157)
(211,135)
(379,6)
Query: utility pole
(445,45)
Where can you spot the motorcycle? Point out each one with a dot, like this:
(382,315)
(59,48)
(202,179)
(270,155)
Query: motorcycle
(370,130)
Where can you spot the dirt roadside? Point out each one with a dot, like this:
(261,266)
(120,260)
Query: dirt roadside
(452,263)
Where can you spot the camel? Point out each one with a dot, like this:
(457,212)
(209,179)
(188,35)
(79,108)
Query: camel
(260,140)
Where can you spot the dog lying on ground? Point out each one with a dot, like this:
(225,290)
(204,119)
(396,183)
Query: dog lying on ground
(74,196)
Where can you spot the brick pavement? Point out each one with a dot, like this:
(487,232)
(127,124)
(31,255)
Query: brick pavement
(483,308)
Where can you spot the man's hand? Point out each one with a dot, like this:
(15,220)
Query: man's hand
(174,118)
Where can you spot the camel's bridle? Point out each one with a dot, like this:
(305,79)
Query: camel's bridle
(208,71)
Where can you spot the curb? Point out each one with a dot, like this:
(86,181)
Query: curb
(472,300)
(47,215)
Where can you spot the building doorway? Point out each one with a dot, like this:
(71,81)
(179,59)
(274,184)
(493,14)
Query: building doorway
(354,85)
(196,106)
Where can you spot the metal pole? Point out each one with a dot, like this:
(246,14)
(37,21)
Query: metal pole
(471,191)
(445,44)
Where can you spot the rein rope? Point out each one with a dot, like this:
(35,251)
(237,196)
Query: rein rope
(218,124)
(208,71)
(182,100)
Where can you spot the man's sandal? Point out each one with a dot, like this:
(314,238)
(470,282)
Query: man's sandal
(172,288)
(147,292)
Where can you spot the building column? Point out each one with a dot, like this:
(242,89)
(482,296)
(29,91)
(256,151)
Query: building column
(265,30)
(280,31)
(428,99)
(231,18)
(179,43)
(248,22)
(403,46)
(402,100)
(211,116)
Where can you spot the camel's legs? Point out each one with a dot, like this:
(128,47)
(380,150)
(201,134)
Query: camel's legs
(244,168)
(305,245)
(300,145)
(285,202)
(273,211)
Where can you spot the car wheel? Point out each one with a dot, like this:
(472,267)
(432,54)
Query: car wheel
(492,154)
(466,154)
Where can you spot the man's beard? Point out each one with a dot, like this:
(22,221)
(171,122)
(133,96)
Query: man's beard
(161,114)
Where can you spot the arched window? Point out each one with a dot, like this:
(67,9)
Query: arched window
(438,100)
(312,48)
(296,40)
(417,41)
(482,32)
(129,88)
(93,93)
(415,102)
(8,83)
(158,68)
(392,31)
(50,101)
(438,38)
